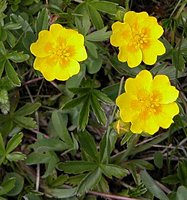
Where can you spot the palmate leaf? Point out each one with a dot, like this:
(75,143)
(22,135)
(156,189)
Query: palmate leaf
(88,97)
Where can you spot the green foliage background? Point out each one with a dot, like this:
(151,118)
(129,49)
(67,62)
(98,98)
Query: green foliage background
(58,139)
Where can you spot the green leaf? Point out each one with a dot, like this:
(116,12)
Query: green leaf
(3,96)
(113,170)
(19,183)
(3,51)
(14,142)
(61,193)
(58,121)
(83,22)
(75,180)
(12,26)
(3,34)
(38,158)
(94,65)
(51,144)
(107,145)
(42,20)
(181,193)
(158,159)
(2,145)
(89,182)
(97,109)
(100,35)
(76,167)
(24,23)
(182,172)
(2,65)
(88,144)
(102,97)
(11,39)
(84,113)
(51,164)
(95,17)
(171,179)
(16,156)
(59,181)
(105,6)
(25,122)
(28,109)
(17,57)
(3,6)
(92,49)
(75,80)
(152,186)
(11,73)
(7,185)
(74,102)
(27,39)
(178,60)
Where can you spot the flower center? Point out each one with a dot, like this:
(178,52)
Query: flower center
(62,52)
(139,38)
(148,104)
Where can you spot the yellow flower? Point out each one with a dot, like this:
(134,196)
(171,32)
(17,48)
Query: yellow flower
(148,103)
(137,39)
(58,52)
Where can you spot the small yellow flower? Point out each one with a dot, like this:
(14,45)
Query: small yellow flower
(137,39)
(148,103)
(58,52)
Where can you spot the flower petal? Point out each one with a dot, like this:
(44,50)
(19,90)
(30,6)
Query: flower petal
(151,28)
(43,66)
(122,56)
(132,54)
(134,19)
(121,34)
(79,53)
(43,46)
(144,81)
(127,111)
(165,117)
(73,67)
(151,50)
(168,93)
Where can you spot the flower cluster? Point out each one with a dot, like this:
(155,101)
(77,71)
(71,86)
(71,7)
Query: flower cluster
(137,38)
(148,103)
(57,52)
